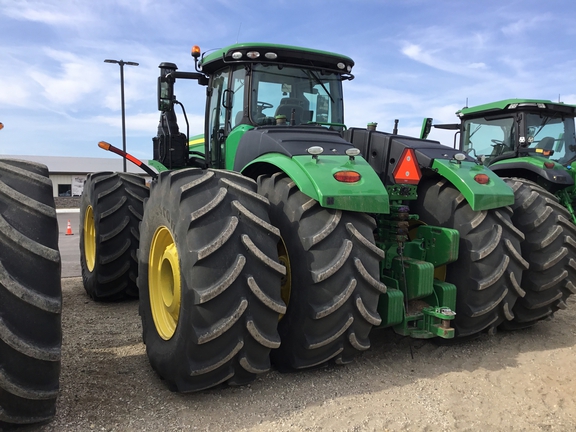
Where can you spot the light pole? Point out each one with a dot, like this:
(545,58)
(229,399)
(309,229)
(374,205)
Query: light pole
(122,63)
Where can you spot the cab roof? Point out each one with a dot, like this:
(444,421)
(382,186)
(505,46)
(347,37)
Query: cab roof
(516,104)
(283,54)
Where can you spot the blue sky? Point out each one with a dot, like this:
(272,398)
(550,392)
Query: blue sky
(414,58)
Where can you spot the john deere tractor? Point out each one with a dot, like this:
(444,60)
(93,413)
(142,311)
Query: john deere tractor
(282,235)
(531,144)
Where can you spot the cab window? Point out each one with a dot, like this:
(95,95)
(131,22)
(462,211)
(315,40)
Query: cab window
(304,95)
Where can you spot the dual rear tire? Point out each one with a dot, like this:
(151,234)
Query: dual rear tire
(111,210)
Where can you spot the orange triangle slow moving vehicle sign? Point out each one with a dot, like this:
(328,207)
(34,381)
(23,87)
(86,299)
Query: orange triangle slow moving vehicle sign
(407,169)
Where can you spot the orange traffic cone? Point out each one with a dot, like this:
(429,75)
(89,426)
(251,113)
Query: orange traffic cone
(69,229)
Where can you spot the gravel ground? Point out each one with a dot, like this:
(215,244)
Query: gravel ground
(521,381)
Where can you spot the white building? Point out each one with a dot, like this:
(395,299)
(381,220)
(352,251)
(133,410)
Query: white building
(68,174)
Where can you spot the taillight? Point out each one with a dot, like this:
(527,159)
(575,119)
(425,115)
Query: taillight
(549,165)
(481,179)
(407,169)
(347,176)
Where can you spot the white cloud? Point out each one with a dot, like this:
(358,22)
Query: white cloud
(75,78)
(525,24)
(14,92)
(65,13)
(436,59)
(479,65)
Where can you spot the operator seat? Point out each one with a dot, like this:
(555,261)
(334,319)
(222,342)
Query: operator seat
(287,105)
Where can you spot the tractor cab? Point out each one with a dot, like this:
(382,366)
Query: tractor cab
(512,128)
(255,85)
(248,86)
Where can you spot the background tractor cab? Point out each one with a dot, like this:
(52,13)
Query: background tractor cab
(526,138)
(536,127)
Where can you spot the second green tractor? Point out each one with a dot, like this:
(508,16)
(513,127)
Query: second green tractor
(531,145)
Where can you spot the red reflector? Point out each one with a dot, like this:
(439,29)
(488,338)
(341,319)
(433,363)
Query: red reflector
(549,164)
(407,170)
(347,176)
(481,178)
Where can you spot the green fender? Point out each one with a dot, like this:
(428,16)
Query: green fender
(315,178)
(496,193)
(534,165)
(158,165)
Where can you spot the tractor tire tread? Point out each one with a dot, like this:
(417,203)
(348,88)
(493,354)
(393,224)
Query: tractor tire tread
(30,294)
(550,249)
(335,278)
(117,202)
(489,261)
(230,279)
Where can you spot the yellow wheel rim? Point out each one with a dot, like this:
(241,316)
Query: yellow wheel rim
(89,239)
(164,283)
(286,283)
(439,272)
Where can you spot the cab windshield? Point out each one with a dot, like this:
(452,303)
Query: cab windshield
(301,95)
(488,136)
(494,137)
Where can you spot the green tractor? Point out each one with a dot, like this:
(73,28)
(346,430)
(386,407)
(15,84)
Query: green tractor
(531,144)
(30,294)
(281,236)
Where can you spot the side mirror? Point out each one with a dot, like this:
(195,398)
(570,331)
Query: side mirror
(165,94)
(166,86)
(426,127)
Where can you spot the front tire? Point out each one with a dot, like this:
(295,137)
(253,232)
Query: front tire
(209,279)
(30,294)
(489,268)
(550,249)
(332,287)
(111,210)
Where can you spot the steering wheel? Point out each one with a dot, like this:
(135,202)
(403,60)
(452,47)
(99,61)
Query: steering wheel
(263,105)
(497,142)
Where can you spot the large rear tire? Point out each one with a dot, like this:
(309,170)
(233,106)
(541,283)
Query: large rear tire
(209,279)
(332,286)
(550,249)
(30,294)
(111,210)
(489,268)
